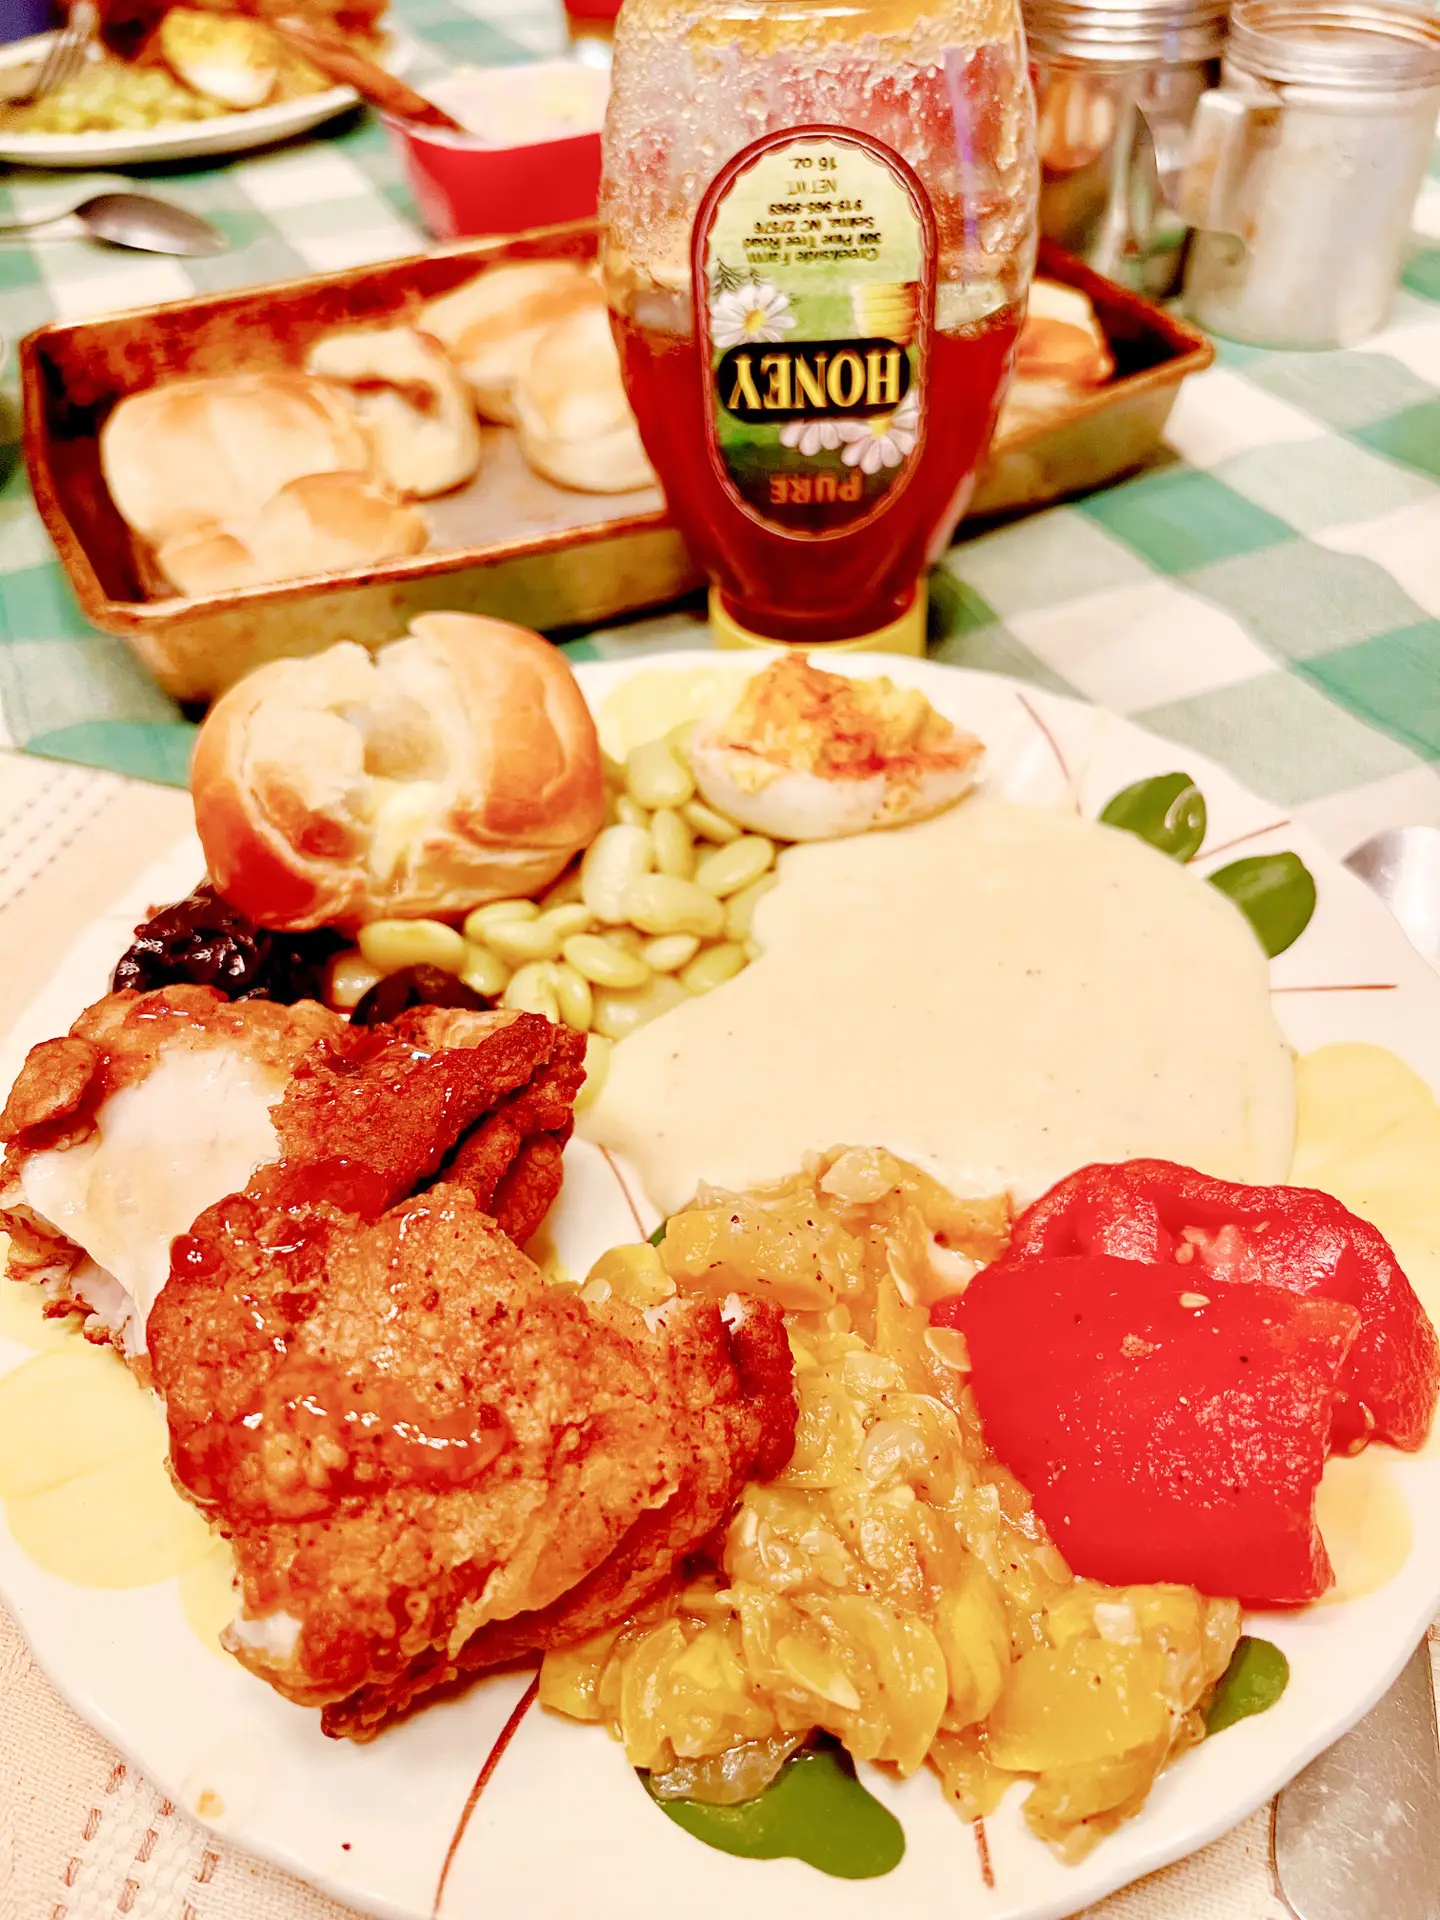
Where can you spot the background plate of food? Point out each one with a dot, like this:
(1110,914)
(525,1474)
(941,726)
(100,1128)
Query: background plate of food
(1095,950)
(176,84)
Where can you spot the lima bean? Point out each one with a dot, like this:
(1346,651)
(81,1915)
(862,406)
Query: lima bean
(656,776)
(709,824)
(656,903)
(674,844)
(392,944)
(485,973)
(731,868)
(619,1014)
(534,989)
(670,951)
(615,858)
(712,967)
(603,963)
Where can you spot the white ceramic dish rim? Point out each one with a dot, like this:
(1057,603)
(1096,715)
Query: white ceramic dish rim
(445,93)
(1208,1792)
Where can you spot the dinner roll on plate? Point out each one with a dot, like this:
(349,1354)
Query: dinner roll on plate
(571,413)
(456,765)
(316,524)
(411,402)
(195,453)
(489,325)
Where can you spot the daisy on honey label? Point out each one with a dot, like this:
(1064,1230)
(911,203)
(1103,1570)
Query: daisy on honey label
(814,270)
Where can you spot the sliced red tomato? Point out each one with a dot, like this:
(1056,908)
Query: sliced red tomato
(1290,1237)
(1169,1426)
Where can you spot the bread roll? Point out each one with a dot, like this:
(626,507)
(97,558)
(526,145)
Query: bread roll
(1062,339)
(327,521)
(571,413)
(207,560)
(489,325)
(198,453)
(1030,402)
(320,523)
(456,765)
(1062,354)
(411,402)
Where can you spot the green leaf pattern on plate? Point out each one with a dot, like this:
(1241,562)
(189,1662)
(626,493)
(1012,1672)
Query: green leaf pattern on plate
(1167,812)
(814,1810)
(1256,1677)
(1274,891)
(1276,894)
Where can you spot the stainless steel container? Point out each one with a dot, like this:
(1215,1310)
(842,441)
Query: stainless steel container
(1304,167)
(1117,83)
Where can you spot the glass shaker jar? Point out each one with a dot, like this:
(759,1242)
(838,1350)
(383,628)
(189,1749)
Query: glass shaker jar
(1304,168)
(1116,84)
(818,231)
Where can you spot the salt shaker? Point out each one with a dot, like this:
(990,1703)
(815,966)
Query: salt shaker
(1303,169)
(1116,87)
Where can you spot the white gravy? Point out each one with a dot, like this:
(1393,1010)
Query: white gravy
(1001,995)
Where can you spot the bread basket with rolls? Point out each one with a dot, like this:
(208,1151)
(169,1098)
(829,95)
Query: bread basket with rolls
(257,475)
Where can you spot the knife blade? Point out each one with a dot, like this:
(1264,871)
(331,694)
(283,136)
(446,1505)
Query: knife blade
(1356,1836)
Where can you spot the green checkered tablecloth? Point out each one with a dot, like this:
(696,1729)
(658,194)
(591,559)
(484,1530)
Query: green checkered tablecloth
(1267,593)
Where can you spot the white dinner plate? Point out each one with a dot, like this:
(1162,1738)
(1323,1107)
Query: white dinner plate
(564,1829)
(175,140)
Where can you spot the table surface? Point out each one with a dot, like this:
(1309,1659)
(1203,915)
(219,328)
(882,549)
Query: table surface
(1268,594)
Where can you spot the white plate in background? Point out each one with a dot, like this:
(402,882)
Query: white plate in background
(177,139)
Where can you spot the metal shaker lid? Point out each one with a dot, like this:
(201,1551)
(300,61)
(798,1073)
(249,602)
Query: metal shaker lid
(1126,33)
(1357,45)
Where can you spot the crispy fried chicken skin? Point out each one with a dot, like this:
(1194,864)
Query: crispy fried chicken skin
(373,1113)
(428,1458)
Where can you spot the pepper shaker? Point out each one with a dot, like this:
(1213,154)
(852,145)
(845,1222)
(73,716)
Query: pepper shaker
(1116,86)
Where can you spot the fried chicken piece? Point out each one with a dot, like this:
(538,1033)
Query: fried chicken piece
(158,1104)
(119,1132)
(375,1112)
(128,26)
(728,1443)
(429,1459)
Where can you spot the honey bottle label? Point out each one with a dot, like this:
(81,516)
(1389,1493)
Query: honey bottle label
(814,264)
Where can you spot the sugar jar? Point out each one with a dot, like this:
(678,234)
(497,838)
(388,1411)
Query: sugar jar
(1304,166)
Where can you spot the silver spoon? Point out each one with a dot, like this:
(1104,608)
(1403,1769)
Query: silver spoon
(131,220)
(1402,865)
(1357,1835)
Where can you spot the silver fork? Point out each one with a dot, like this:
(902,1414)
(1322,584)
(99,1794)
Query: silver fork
(65,54)
(1357,1835)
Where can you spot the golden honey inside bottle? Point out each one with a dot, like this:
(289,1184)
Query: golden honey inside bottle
(818,231)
